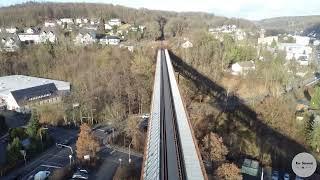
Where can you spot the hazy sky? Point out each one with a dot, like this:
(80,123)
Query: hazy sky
(250,9)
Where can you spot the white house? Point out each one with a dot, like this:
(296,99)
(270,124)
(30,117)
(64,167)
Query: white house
(302,40)
(187,45)
(19,92)
(90,27)
(78,21)
(29,38)
(48,34)
(11,30)
(242,68)
(9,42)
(111,40)
(268,40)
(85,37)
(49,24)
(240,35)
(29,30)
(299,52)
(114,22)
(107,27)
(66,20)
(316,42)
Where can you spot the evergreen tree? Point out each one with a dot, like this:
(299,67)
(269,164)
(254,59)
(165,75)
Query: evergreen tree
(33,125)
(13,151)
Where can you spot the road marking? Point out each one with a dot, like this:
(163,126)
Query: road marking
(49,166)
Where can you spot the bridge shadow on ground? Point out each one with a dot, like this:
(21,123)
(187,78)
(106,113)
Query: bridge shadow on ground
(281,147)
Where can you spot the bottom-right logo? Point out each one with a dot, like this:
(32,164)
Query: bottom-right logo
(304,164)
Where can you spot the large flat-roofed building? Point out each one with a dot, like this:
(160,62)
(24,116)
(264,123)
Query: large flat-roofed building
(19,91)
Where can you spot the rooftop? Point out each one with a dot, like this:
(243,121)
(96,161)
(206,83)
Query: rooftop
(18,82)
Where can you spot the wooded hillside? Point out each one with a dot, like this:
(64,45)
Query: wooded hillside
(32,14)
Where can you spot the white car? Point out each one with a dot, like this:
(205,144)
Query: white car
(41,175)
(80,175)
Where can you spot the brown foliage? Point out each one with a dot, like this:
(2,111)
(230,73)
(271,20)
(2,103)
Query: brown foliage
(86,143)
(213,148)
(228,171)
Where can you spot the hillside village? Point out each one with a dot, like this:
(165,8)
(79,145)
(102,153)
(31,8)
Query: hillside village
(83,31)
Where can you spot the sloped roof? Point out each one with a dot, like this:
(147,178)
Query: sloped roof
(17,82)
(23,95)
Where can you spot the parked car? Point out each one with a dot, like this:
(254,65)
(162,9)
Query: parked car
(80,176)
(286,176)
(83,171)
(275,175)
(298,178)
(41,175)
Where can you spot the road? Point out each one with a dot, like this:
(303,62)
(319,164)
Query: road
(110,158)
(54,157)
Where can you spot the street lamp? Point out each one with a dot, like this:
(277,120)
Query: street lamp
(130,152)
(41,136)
(120,160)
(74,105)
(70,157)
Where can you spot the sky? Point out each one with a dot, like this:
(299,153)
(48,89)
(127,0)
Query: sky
(249,9)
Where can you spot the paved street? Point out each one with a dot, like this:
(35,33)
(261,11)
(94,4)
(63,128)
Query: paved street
(111,162)
(59,157)
(52,158)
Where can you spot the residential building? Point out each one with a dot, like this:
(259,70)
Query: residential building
(187,45)
(302,40)
(115,22)
(20,92)
(9,42)
(90,27)
(109,40)
(81,21)
(78,21)
(242,68)
(113,40)
(107,27)
(11,30)
(268,40)
(240,35)
(29,38)
(48,34)
(49,24)
(301,53)
(29,30)
(66,21)
(85,37)
(94,21)
(316,42)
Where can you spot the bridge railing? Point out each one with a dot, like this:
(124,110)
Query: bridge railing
(151,167)
(190,153)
